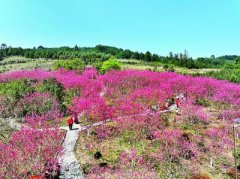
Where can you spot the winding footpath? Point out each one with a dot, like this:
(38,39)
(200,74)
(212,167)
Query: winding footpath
(70,167)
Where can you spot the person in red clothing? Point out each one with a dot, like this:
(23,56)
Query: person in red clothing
(177,102)
(70,123)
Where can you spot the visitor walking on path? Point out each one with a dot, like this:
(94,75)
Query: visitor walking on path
(76,119)
(70,123)
(177,102)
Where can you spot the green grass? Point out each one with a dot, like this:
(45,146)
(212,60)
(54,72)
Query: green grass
(157,66)
(22,63)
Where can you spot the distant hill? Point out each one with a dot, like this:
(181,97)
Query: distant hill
(101,53)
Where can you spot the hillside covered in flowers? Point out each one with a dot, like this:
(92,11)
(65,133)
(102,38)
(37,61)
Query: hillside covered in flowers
(139,141)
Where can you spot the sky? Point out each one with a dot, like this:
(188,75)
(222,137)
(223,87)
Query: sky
(202,27)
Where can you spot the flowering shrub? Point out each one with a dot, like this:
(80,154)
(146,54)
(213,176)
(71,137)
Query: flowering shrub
(131,166)
(131,160)
(37,104)
(32,150)
(220,139)
(95,108)
(90,73)
(140,173)
(28,151)
(229,114)
(104,131)
(194,113)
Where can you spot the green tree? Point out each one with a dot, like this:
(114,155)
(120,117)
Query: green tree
(238,60)
(3,46)
(112,63)
(148,56)
(76,47)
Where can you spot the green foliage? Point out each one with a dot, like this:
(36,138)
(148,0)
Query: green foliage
(232,75)
(112,63)
(203,102)
(148,56)
(238,61)
(38,104)
(186,126)
(209,63)
(75,64)
(69,95)
(127,137)
(238,155)
(228,57)
(230,72)
(230,66)
(16,89)
(52,86)
(169,68)
(11,93)
(97,65)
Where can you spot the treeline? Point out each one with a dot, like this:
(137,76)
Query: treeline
(101,53)
(232,75)
(230,72)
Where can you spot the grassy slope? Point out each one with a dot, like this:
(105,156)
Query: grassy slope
(20,63)
(141,65)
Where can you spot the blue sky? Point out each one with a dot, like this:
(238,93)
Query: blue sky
(202,27)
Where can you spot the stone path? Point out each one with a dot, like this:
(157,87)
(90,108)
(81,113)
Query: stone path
(12,122)
(70,168)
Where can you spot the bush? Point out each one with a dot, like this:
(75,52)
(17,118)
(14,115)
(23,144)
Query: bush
(169,68)
(97,65)
(52,86)
(37,104)
(10,94)
(69,95)
(203,102)
(112,63)
(13,92)
(75,64)
(16,89)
